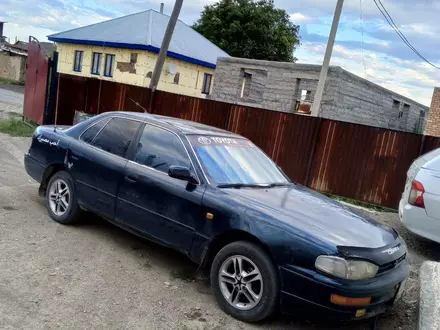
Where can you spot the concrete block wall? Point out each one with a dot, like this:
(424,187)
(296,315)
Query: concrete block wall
(433,122)
(280,86)
(363,102)
(13,67)
(347,97)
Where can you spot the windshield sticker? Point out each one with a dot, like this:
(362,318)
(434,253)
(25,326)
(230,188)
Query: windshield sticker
(42,139)
(203,140)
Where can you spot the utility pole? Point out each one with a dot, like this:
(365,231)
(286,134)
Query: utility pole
(316,108)
(164,48)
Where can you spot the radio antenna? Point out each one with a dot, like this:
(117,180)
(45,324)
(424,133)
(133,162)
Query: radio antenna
(138,105)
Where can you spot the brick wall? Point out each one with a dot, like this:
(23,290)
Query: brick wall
(433,122)
(347,97)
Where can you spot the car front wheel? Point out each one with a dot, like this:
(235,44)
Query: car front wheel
(245,281)
(61,199)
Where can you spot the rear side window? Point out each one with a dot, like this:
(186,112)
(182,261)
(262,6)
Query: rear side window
(91,132)
(116,136)
(159,149)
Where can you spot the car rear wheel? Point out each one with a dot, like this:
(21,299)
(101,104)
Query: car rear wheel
(61,199)
(245,281)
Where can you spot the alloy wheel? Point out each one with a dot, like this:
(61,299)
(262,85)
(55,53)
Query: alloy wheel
(241,282)
(59,197)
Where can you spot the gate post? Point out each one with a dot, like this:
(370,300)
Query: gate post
(52,83)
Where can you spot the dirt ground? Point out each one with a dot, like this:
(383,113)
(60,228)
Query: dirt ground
(96,276)
(11,100)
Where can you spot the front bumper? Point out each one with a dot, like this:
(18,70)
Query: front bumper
(307,293)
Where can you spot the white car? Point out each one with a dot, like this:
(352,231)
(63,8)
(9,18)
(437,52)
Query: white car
(419,209)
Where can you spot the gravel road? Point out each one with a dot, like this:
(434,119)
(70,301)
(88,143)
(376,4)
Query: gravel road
(11,100)
(97,276)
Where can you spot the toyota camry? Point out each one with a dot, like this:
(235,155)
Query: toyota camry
(266,242)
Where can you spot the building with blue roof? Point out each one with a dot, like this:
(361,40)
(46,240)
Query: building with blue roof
(125,50)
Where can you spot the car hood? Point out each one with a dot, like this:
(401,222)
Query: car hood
(302,210)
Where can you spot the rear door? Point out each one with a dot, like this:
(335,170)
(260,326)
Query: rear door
(97,161)
(149,201)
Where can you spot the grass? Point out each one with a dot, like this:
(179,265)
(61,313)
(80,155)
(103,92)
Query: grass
(368,206)
(6,81)
(16,127)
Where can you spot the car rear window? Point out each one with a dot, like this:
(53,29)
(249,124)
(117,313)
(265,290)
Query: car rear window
(89,135)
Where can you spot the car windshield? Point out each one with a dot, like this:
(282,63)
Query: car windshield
(235,161)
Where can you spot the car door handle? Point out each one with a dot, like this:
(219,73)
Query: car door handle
(74,157)
(131,178)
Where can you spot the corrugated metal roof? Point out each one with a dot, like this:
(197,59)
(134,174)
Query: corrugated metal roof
(145,30)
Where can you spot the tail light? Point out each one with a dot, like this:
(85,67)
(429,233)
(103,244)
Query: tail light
(416,194)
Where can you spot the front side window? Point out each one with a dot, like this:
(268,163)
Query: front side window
(206,89)
(96,63)
(160,149)
(234,161)
(108,67)
(116,136)
(77,61)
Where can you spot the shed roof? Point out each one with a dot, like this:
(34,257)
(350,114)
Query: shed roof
(145,30)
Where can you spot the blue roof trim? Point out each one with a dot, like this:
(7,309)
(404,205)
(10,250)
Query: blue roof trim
(133,46)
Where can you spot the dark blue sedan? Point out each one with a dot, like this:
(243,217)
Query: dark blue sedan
(267,243)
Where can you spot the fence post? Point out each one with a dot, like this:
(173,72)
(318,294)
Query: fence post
(312,153)
(422,145)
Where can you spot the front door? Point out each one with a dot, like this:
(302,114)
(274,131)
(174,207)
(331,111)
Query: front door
(149,201)
(97,161)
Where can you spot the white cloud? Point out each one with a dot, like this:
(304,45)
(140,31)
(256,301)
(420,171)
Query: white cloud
(299,18)
(411,79)
(391,64)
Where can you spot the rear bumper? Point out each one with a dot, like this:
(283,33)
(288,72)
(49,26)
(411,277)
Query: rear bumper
(33,168)
(416,220)
(310,296)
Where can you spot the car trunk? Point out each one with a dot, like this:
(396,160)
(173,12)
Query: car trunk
(426,170)
(430,173)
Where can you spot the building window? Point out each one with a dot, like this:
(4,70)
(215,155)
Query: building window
(78,60)
(108,67)
(207,83)
(96,63)
(246,85)
(177,78)
(306,95)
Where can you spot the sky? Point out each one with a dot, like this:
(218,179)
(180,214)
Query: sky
(365,44)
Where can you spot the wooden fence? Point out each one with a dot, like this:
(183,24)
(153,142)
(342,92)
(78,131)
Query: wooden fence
(360,162)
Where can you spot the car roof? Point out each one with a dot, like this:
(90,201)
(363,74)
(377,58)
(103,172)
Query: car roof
(183,126)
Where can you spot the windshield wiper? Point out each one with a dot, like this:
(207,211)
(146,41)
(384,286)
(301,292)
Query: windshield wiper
(243,185)
(279,184)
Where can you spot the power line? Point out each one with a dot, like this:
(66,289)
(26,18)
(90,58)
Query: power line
(391,22)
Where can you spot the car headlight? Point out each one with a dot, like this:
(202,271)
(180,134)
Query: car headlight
(347,269)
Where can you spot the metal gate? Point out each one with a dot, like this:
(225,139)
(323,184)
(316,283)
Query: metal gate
(37,93)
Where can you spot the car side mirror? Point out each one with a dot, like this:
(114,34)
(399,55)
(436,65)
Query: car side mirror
(182,173)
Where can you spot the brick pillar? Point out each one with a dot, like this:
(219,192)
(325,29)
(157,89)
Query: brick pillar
(433,122)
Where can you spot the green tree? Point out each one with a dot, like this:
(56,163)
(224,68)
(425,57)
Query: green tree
(250,29)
